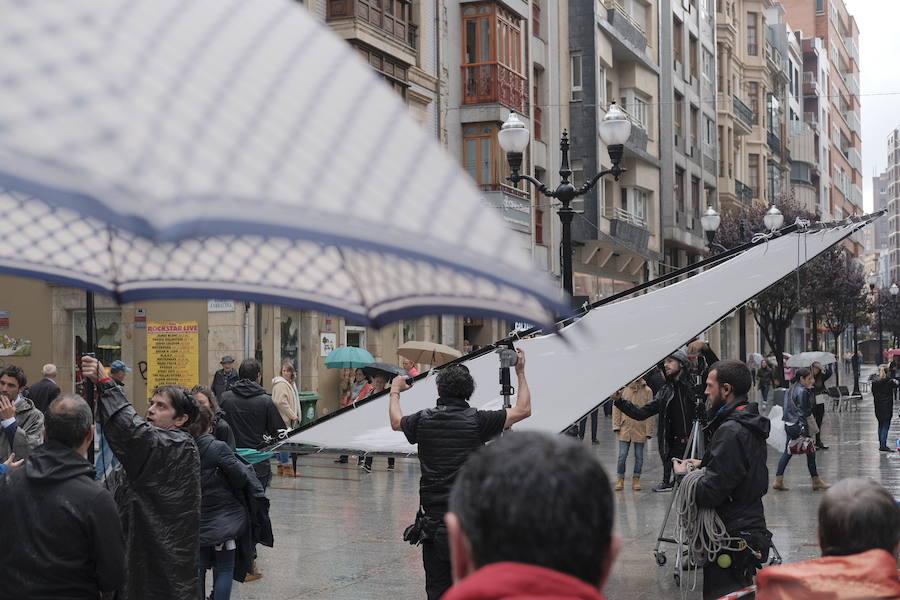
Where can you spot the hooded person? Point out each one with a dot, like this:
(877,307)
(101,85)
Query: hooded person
(61,532)
(251,414)
(675,403)
(735,477)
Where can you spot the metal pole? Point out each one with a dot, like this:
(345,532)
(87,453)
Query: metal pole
(880,334)
(89,349)
(742,333)
(853,361)
(565,216)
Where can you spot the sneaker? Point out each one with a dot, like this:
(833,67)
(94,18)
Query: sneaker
(664,487)
(390,467)
(342,460)
(884,449)
(367,468)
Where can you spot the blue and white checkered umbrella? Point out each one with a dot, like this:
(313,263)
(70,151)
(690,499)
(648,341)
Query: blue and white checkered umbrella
(225,148)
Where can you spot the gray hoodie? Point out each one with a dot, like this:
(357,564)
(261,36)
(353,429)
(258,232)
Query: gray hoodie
(31,421)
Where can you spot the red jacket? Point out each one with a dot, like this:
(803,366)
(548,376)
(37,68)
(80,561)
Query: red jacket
(518,581)
(868,575)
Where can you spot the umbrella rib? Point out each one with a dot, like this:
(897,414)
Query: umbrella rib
(356,282)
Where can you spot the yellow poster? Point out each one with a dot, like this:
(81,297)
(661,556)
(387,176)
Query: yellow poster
(173,354)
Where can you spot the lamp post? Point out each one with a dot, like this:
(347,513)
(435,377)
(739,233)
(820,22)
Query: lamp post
(710,222)
(615,128)
(872,280)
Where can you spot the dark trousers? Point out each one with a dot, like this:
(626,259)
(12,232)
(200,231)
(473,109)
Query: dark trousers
(677,449)
(884,427)
(263,473)
(582,425)
(718,581)
(819,415)
(436,559)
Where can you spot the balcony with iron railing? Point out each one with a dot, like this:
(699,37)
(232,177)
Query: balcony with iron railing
(620,214)
(774,143)
(744,193)
(743,112)
(494,83)
(391,18)
(625,25)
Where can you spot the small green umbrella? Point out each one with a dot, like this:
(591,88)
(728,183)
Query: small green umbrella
(348,357)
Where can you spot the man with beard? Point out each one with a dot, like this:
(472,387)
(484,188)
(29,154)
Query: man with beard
(735,477)
(675,404)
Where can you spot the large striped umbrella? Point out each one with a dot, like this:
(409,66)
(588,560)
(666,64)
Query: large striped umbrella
(226,148)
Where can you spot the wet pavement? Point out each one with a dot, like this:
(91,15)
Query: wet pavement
(338,529)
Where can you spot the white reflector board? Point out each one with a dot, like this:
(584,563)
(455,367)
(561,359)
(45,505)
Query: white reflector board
(610,346)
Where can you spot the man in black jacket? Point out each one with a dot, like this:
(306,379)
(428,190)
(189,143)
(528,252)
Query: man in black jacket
(735,478)
(46,390)
(251,414)
(675,403)
(446,435)
(61,534)
(157,487)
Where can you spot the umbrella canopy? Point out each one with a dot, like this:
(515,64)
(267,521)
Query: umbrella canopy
(428,352)
(386,370)
(755,359)
(348,357)
(805,359)
(170,149)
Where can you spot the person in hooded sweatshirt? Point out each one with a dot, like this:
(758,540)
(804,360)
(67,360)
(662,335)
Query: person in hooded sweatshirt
(251,414)
(735,477)
(531,516)
(62,538)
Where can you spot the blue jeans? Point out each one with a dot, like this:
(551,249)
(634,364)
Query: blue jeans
(786,457)
(638,458)
(284,458)
(884,427)
(222,563)
(764,392)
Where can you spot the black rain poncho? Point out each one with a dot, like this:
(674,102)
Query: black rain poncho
(157,490)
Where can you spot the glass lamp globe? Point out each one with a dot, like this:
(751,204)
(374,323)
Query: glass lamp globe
(710,220)
(615,128)
(514,135)
(773,219)
(894,289)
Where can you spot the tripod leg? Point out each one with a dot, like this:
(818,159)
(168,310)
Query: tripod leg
(662,530)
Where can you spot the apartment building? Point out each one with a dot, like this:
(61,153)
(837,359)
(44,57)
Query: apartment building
(830,22)
(687,117)
(893,204)
(614,56)
(816,72)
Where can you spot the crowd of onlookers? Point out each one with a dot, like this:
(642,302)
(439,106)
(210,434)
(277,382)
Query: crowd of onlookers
(529,515)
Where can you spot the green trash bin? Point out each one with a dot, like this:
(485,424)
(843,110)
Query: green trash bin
(308,407)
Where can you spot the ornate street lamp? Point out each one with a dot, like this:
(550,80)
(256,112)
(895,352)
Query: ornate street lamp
(615,128)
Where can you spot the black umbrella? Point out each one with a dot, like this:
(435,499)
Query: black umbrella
(386,370)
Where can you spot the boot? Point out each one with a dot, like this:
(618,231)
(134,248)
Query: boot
(636,483)
(280,469)
(819,483)
(620,484)
(779,483)
(287,471)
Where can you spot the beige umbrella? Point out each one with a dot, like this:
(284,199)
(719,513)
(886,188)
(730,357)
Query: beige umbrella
(428,353)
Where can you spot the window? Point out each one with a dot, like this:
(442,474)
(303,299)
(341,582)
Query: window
(678,41)
(575,71)
(538,226)
(679,190)
(695,197)
(752,33)
(677,111)
(695,128)
(709,65)
(820,7)
(492,56)
(753,175)
(392,71)
(709,136)
(753,92)
(480,155)
(633,205)
(601,89)
(637,107)
(692,48)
